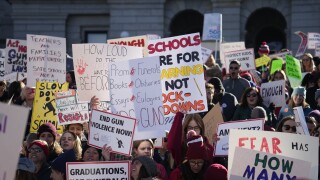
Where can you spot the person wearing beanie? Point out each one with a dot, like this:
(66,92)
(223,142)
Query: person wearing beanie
(90,153)
(307,64)
(25,169)
(38,152)
(263,49)
(297,99)
(58,166)
(48,132)
(316,115)
(227,101)
(216,171)
(195,164)
(143,167)
(235,84)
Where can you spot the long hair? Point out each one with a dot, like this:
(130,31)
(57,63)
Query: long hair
(188,118)
(292,105)
(282,121)
(280,72)
(137,143)
(311,66)
(77,145)
(244,102)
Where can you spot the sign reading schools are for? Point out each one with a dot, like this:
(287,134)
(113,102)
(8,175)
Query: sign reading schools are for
(91,67)
(222,146)
(183,85)
(273,92)
(296,146)
(245,57)
(98,170)
(251,164)
(114,130)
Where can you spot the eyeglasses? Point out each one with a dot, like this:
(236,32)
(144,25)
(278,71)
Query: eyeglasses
(287,127)
(196,128)
(37,150)
(194,163)
(233,68)
(252,95)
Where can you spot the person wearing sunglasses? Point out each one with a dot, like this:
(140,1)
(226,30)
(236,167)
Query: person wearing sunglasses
(235,84)
(307,64)
(287,125)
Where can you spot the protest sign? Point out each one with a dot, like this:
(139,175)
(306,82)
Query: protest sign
(251,164)
(107,170)
(303,43)
(222,146)
(300,119)
(69,111)
(262,61)
(212,27)
(228,47)
(15,76)
(273,92)
(211,121)
(2,61)
(282,55)
(91,67)
(245,57)
(16,56)
(13,121)
(206,53)
(296,146)
(158,143)
(317,49)
(46,59)
(255,75)
(276,64)
(138,41)
(182,78)
(114,130)
(44,105)
(293,70)
(313,39)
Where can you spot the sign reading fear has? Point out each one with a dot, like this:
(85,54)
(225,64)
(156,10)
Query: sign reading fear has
(182,78)
(44,105)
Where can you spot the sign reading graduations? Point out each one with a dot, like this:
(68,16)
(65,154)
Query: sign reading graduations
(273,92)
(16,56)
(222,146)
(13,121)
(112,170)
(245,57)
(91,67)
(44,105)
(69,111)
(182,78)
(251,164)
(2,62)
(313,39)
(295,146)
(114,130)
(228,47)
(212,27)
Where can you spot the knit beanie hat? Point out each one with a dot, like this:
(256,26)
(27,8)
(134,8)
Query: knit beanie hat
(317,94)
(60,162)
(299,91)
(26,164)
(258,112)
(216,82)
(217,171)
(315,114)
(149,164)
(264,48)
(196,149)
(47,127)
(42,144)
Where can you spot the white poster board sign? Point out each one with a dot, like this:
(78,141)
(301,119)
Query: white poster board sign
(2,62)
(302,127)
(16,56)
(273,92)
(282,55)
(46,59)
(91,67)
(212,27)
(205,54)
(296,146)
(12,128)
(182,77)
(245,57)
(251,164)
(114,130)
(15,76)
(98,170)
(317,49)
(313,39)
(228,47)
(223,129)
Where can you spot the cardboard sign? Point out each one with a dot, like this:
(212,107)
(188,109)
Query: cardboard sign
(276,65)
(300,119)
(114,130)
(212,27)
(13,121)
(98,170)
(91,67)
(251,164)
(282,55)
(273,92)
(223,129)
(211,121)
(296,146)
(205,53)
(313,39)
(303,43)
(293,71)
(16,56)
(69,111)
(317,49)
(44,105)
(262,61)
(138,41)
(182,77)
(228,47)
(245,57)
(2,62)
(46,59)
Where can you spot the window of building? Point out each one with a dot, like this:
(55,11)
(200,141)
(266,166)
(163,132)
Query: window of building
(96,37)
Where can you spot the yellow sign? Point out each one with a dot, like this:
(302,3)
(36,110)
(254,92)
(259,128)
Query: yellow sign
(44,106)
(264,60)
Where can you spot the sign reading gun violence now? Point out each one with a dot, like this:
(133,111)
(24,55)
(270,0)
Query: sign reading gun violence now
(69,111)
(222,146)
(44,105)
(13,121)
(141,98)
(115,170)
(296,146)
(273,92)
(91,67)
(16,55)
(251,164)
(182,82)
(245,57)
(114,130)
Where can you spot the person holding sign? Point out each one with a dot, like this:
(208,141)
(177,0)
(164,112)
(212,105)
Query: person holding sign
(307,63)
(287,125)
